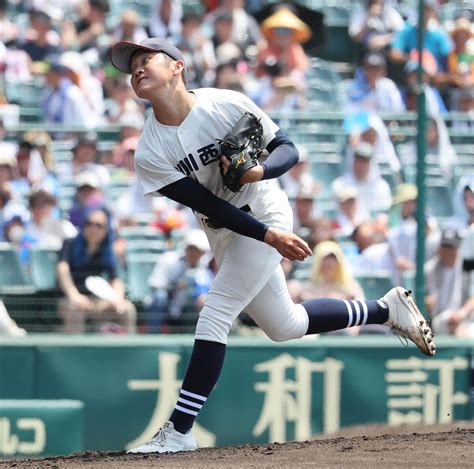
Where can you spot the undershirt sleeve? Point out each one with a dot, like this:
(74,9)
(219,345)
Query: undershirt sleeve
(282,156)
(188,192)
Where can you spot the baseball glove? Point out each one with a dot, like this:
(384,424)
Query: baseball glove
(241,146)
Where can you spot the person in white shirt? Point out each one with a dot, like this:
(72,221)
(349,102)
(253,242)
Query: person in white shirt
(371,90)
(375,23)
(373,191)
(64,102)
(168,279)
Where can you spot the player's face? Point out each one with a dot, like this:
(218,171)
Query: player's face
(150,71)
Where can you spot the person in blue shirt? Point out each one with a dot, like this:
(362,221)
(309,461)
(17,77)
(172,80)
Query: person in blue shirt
(436,39)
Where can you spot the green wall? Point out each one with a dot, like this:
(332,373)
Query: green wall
(267,391)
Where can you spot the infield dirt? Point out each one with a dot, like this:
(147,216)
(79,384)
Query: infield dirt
(373,446)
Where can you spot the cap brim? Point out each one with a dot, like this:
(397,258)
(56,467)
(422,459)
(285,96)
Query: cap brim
(121,54)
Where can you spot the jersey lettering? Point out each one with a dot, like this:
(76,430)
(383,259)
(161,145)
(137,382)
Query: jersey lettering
(208,154)
(188,164)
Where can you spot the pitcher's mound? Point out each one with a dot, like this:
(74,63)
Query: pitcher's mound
(372,446)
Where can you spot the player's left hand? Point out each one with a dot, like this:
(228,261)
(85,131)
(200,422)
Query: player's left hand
(253,174)
(289,245)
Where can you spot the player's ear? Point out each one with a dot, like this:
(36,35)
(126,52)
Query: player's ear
(178,67)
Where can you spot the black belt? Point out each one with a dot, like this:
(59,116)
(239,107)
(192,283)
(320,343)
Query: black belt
(215,225)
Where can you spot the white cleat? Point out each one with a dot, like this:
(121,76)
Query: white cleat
(167,440)
(405,318)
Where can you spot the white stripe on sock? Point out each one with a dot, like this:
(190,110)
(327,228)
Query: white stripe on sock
(349,311)
(357,310)
(366,313)
(191,403)
(186,411)
(382,304)
(191,394)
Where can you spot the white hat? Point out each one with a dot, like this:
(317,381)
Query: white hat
(196,238)
(88,178)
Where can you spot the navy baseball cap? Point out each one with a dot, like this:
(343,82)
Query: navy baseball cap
(122,51)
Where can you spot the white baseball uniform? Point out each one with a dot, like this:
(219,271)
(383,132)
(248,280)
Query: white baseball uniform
(250,277)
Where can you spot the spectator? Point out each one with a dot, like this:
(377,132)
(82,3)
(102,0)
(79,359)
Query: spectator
(349,213)
(277,90)
(434,102)
(90,254)
(305,210)
(90,30)
(64,102)
(438,145)
(165,18)
(285,33)
(369,127)
(42,41)
(89,196)
(121,101)
(464,201)
(331,276)
(402,236)
(41,169)
(374,253)
(375,24)
(79,73)
(436,39)
(198,51)
(322,229)
(122,154)
(461,58)
(129,28)
(227,77)
(371,90)
(245,29)
(43,230)
(8,174)
(372,190)
(222,36)
(444,282)
(298,176)
(170,281)
(464,102)
(86,158)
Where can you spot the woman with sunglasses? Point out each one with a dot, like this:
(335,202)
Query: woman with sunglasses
(85,257)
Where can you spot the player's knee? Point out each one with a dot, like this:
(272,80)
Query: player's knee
(295,327)
(212,327)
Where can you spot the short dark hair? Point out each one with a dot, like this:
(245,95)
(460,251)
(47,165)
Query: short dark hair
(41,198)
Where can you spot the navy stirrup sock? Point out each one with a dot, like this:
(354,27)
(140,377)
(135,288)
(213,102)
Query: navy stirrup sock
(326,314)
(201,376)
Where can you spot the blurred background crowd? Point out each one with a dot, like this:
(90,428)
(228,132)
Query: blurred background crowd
(82,250)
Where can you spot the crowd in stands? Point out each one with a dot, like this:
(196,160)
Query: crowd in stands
(72,190)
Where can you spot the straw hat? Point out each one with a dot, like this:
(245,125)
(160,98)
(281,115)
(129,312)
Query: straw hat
(285,18)
(404,193)
(462,24)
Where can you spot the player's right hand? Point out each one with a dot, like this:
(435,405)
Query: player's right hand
(287,244)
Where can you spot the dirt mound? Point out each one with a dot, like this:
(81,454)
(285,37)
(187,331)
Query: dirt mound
(372,446)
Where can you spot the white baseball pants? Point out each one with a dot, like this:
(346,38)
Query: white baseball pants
(251,278)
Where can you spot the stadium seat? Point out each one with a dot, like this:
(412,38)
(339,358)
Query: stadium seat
(439,201)
(375,285)
(140,233)
(13,278)
(146,246)
(139,268)
(43,268)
